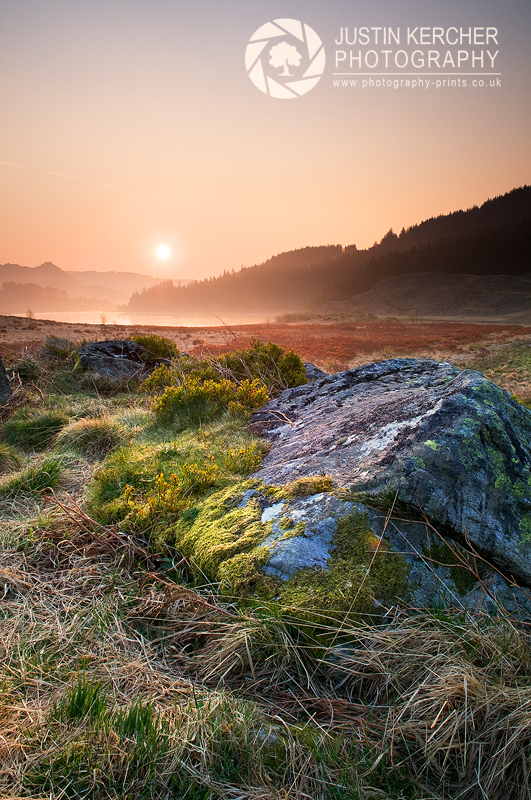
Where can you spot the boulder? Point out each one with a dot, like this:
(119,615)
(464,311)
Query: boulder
(5,388)
(313,372)
(432,438)
(407,480)
(116,358)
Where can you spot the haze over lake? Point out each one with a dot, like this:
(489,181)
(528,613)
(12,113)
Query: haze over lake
(145,318)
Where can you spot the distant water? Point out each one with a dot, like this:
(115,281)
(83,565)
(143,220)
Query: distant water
(141,318)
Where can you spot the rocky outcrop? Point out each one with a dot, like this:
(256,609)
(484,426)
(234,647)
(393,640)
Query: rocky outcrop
(439,439)
(5,388)
(116,358)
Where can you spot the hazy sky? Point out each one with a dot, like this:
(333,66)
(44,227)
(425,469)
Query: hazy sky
(126,124)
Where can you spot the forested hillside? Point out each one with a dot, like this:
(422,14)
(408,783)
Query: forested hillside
(488,240)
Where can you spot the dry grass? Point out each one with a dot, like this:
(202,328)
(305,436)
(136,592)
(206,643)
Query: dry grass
(119,679)
(458,698)
(439,701)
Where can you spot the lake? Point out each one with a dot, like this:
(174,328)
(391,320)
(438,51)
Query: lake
(144,318)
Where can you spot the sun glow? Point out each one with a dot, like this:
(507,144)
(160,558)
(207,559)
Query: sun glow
(163,251)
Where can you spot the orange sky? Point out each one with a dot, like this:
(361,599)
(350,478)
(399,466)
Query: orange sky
(130,123)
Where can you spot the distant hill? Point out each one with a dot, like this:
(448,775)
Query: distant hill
(17,298)
(84,290)
(494,238)
(46,274)
(489,251)
(119,286)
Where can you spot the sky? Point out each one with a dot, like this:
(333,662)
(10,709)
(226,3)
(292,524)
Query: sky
(131,124)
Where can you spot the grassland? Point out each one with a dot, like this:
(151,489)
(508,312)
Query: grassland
(126,672)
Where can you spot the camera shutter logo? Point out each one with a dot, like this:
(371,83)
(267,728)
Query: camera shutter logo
(285,58)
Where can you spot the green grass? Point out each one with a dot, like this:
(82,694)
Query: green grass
(33,429)
(32,480)
(142,659)
(10,459)
(93,437)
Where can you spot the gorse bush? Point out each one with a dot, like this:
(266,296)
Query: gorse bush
(28,370)
(269,363)
(194,402)
(34,430)
(276,368)
(157,346)
(245,459)
(57,349)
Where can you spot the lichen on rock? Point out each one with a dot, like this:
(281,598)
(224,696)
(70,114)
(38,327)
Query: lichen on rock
(446,440)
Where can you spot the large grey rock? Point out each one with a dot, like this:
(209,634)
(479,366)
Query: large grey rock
(313,373)
(434,574)
(446,440)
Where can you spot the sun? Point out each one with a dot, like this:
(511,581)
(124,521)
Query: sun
(163,251)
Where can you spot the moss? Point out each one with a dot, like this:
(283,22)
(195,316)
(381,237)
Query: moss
(222,540)
(286,523)
(359,572)
(432,444)
(241,575)
(294,530)
(525,527)
(418,462)
(303,487)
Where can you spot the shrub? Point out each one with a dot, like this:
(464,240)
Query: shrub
(33,430)
(92,438)
(271,364)
(194,402)
(28,370)
(57,349)
(268,363)
(157,346)
(180,369)
(246,459)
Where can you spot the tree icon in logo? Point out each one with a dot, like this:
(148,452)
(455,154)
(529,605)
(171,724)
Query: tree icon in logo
(282,44)
(283,54)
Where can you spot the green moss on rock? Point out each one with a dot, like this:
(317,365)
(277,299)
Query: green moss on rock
(303,487)
(222,540)
(361,572)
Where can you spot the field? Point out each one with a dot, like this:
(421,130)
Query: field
(128,671)
(330,344)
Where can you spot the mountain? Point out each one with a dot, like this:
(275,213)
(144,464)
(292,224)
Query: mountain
(491,239)
(46,274)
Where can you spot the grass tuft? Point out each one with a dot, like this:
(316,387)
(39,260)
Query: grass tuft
(92,438)
(32,480)
(31,429)
(10,460)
